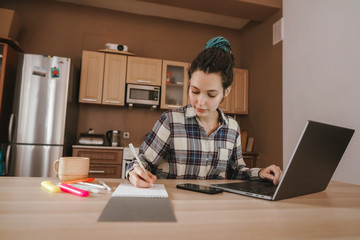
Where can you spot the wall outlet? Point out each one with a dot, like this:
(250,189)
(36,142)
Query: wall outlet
(126,134)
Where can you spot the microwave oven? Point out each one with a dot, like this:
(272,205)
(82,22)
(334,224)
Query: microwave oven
(142,94)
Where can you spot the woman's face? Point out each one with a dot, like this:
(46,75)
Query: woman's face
(205,93)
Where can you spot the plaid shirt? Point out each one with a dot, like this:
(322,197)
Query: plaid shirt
(180,144)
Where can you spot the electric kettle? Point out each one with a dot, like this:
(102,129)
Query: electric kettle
(113,136)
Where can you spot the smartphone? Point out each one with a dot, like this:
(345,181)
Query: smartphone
(199,188)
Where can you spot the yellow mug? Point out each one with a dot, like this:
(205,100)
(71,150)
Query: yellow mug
(72,168)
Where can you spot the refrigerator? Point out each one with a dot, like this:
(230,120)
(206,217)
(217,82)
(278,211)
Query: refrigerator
(42,126)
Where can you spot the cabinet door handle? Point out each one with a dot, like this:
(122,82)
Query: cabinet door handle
(7,159)
(109,101)
(97,171)
(89,99)
(10,130)
(144,81)
(173,106)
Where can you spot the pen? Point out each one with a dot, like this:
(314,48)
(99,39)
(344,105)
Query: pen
(86,188)
(104,184)
(138,159)
(92,185)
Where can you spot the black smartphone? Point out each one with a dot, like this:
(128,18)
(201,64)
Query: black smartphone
(199,188)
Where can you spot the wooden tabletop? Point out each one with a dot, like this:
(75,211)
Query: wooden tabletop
(29,212)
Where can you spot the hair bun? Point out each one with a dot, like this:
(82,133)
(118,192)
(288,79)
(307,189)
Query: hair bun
(219,42)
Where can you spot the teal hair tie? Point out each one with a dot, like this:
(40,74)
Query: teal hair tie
(219,42)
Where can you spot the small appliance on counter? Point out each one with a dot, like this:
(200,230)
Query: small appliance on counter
(113,137)
(90,138)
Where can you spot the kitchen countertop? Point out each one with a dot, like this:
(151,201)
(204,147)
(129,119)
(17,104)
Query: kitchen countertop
(97,147)
(29,212)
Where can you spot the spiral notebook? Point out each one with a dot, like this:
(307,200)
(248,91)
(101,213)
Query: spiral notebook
(132,204)
(128,190)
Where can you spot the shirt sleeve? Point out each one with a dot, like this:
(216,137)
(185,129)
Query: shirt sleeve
(155,146)
(236,167)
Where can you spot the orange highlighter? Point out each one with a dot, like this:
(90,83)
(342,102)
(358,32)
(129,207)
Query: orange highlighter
(80,180)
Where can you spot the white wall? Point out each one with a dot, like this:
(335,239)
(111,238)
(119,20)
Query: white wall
(321,73)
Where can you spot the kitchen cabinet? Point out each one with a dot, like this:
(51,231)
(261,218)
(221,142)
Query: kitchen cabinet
(8,67)
(92,75)
(114,80)
(174,84)
(105,162)
(237,101)
(103,78)
(250,159)
(145,71)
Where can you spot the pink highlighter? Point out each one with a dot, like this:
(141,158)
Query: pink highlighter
(70,189)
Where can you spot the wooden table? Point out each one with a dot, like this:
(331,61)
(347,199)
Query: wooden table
(29,212)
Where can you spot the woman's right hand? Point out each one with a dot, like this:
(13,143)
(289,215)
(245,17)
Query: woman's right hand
(140,179)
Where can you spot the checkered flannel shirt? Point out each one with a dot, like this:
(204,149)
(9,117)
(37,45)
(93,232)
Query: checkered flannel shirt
(179,142)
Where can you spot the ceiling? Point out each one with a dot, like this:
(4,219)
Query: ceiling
(233,14)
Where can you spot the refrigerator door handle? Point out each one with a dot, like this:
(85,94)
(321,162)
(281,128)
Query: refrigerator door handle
(7,159)
(11,123)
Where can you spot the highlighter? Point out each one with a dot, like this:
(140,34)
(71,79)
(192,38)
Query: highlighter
(70,189)
(80,180)
(48,185)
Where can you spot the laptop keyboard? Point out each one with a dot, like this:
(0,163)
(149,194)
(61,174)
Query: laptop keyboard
(262,188)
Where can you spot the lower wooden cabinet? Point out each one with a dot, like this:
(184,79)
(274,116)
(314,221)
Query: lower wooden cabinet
(105,162)
(105,171)
(250,159)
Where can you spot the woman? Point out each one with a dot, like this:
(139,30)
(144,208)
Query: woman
(199,141)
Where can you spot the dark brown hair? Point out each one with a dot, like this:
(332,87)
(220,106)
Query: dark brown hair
(215,59)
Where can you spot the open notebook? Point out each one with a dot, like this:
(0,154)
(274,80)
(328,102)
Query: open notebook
(128,190)
(132,204)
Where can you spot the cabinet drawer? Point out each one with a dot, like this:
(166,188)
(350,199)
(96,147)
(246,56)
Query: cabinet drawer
(105,171)
(102,156)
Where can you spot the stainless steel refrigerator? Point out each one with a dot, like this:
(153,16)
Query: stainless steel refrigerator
(42,127)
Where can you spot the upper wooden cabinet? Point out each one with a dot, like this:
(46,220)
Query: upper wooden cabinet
(92,75)
(114,79)
(145,71)
(237,101)
(102,78)
(174,84)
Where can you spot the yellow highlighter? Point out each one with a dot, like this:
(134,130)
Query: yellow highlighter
(48,185)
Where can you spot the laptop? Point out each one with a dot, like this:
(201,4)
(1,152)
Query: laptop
(310,169)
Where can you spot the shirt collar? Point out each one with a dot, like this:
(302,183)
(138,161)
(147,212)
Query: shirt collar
(190,113)
(223,117)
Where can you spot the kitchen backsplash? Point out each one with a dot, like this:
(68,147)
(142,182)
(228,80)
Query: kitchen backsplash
(137,121)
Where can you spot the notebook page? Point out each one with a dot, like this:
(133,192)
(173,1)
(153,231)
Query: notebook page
(128,190)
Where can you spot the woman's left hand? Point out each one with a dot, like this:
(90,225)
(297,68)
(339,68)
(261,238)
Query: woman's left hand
(271,172)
